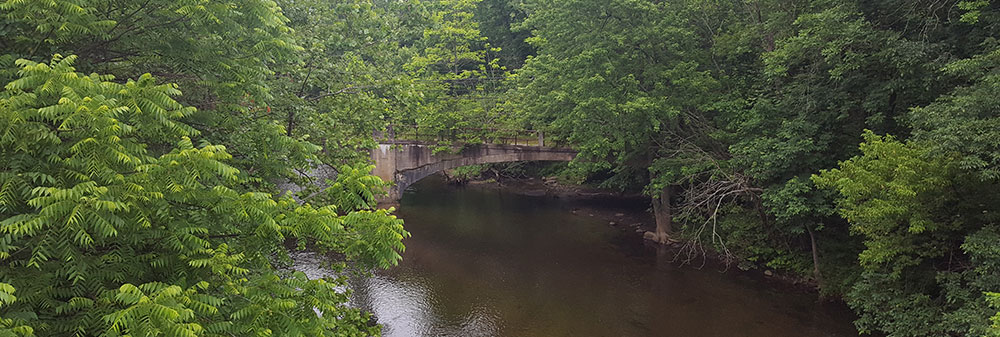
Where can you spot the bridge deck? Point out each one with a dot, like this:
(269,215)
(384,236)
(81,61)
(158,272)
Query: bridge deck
(494,145)
(488,135)
(406,162)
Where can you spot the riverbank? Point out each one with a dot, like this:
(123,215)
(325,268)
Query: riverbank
(632,214)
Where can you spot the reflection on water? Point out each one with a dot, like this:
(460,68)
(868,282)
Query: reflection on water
(488,263)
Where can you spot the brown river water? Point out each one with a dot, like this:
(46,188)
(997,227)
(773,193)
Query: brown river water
(483,262)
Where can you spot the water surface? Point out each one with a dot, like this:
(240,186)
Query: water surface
(488,263)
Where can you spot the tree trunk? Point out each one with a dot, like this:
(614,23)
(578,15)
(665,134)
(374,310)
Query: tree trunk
(664,220)
(815,256)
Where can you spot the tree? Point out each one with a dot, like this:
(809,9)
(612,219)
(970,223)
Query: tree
(724,111)
(929,255)
(13,327)
(964,120)
(499,20)
(348,82)
(624,82)
(995,329)
(105,231)
(459,72)
(931,258)
(223,51)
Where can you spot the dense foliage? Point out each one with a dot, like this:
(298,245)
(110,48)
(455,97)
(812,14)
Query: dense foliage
(745,119)
(107,231)
(851,143)
(127,208)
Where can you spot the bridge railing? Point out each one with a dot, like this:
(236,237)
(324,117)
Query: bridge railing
(414,133)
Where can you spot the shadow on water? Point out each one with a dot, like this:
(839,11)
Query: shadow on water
(483,262)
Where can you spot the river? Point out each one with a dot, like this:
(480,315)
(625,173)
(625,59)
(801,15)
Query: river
(483,262)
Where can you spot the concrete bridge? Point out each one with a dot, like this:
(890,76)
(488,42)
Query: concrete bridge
(404,163)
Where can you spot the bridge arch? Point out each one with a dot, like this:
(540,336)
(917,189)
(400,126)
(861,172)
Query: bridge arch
(406,163)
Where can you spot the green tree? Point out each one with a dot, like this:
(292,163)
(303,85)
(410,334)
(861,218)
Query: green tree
(733,106)
(930,253)
(626,83)
(499,20)
(106,231)
(349,81)
(994,299)
(223,51)
(965,120)
(458,71)
(13,327)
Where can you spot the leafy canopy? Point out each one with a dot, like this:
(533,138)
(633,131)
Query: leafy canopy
(116,222)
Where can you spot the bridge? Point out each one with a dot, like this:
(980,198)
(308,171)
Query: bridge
(405,161)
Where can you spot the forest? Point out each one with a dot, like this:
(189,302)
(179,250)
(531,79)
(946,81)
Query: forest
(854,144)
